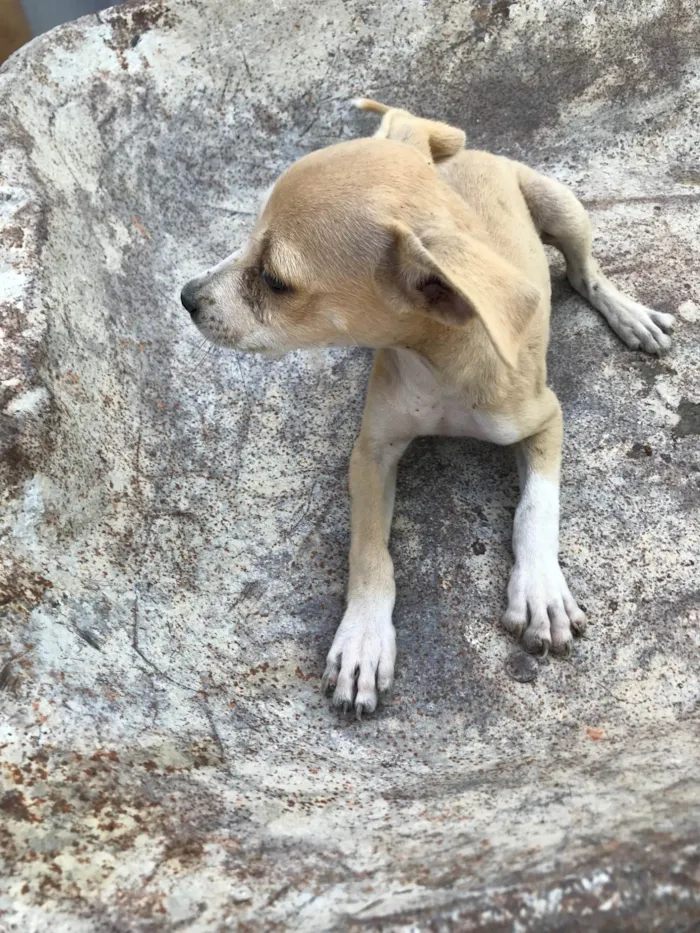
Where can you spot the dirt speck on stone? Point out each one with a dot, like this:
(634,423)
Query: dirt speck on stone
(522,667)
(689,423)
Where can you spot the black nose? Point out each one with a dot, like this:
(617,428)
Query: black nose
(189,299)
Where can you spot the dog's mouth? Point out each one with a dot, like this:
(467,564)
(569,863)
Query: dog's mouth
(240,344)
(212,334)
(270,347)
(244,345)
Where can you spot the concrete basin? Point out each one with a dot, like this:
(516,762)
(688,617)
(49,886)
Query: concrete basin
(174,522)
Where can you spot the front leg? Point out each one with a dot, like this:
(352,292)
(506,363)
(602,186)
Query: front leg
(540,605)
(361,659)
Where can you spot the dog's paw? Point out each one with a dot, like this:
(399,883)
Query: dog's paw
(640,327)
(360,663)
(541,608)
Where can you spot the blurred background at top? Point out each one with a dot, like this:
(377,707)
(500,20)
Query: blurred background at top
(20,20)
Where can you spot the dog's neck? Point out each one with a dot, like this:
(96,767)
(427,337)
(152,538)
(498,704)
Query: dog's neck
(458,358)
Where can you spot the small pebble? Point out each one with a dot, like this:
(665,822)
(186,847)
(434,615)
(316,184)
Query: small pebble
(522,666)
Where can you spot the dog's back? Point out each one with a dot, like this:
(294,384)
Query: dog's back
(490,185)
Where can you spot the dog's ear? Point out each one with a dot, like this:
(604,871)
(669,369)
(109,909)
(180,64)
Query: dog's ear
(437,140)
(454,277)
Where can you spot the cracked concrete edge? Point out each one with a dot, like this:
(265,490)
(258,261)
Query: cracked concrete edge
(22,320)
(628,882)
(26,409)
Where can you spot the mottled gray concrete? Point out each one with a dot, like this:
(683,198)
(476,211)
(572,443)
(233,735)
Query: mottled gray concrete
(174,524)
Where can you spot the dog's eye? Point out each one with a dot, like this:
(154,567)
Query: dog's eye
(273,283)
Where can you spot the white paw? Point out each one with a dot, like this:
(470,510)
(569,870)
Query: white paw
(541,608)
(361,660)
(641,327)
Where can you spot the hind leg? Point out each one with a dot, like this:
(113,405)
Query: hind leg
(563,222)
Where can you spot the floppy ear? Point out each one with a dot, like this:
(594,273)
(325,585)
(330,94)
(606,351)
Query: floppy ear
(437,140)
(454,277)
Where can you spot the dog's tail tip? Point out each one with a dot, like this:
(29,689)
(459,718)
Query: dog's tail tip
(366,103)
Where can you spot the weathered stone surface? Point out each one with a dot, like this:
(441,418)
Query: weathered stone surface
(174,523)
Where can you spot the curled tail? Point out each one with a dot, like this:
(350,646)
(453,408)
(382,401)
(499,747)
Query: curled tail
(366,103)
(437,140)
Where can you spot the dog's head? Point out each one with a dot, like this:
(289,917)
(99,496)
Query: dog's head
(363,243)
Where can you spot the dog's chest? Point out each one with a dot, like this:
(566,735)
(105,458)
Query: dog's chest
(450,416)
(430,408)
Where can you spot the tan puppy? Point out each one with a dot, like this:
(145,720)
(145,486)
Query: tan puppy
(433,256)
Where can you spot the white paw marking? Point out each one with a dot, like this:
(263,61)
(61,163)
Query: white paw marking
(541,608)
(361,661)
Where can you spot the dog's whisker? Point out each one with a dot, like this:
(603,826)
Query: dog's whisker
(345,330)
(198,354)
(243,379)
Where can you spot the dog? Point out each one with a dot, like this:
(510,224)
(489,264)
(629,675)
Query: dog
(431,254)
